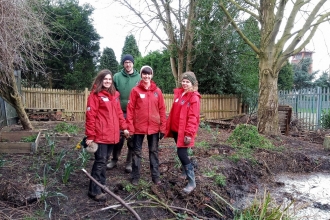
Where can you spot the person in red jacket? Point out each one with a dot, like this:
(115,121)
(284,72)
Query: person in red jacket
(183,122)
(104,119)
(146,116)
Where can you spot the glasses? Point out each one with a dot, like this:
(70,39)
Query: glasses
(127,62)
(146,73)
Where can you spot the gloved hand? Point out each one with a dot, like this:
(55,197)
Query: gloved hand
(186,140)
(161,135)
(126,133)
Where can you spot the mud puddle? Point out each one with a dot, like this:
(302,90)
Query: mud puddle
(311,194)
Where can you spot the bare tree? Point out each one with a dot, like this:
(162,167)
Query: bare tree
(281,37)
(22,40)
(175,17)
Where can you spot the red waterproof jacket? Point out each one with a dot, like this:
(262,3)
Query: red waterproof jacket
(104,118)
(189,116)
(146,110)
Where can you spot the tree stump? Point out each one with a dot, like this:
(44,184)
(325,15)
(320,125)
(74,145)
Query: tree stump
(326,142)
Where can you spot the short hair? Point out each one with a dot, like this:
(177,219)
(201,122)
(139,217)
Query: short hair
(146,69)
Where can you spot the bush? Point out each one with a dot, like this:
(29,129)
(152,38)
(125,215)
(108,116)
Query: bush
(325,119)
(247,136)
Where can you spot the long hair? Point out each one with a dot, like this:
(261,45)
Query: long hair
(97,85)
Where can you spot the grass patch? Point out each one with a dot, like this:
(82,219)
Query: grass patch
(30,138)
(219,179)
(217,157)
(64,127)
(265,209)
(202,144)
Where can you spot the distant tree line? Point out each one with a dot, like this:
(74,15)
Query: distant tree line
(222,61)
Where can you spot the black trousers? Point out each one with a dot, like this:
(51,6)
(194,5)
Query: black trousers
(153,140)
(181,151)
(99,167)
(119,146)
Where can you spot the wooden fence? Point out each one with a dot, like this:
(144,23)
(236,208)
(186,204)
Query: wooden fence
(74,102)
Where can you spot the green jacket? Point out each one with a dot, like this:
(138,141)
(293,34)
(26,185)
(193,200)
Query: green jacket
(124,83)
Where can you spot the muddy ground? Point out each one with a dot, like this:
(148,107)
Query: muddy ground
(21,173)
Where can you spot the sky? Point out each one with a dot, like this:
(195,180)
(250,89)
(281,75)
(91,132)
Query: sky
(110,22)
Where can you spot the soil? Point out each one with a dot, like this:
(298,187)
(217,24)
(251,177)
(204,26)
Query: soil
(20,174)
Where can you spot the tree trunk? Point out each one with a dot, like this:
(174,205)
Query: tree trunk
(181,54)
(174,70)
(326,143)
(177,67)
(10,94)
(18,105)
(268,99)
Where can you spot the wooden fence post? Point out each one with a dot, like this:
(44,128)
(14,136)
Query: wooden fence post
(86,96)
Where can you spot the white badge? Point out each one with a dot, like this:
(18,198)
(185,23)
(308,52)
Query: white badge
(105,99)
(142,96)
(176,100)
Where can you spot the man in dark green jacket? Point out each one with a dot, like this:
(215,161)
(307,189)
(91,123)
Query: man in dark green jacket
(124,81)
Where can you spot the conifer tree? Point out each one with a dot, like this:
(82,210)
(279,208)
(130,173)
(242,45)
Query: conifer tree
(108,60)
(130,47)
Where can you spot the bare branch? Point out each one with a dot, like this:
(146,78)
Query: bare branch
(139,14)
(255,6)
(306,27)
(278,18)
(23,37)
(254,47)
(290,23)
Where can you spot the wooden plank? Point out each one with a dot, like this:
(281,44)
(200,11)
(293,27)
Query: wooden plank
(11,142)
(284,113)
(34,146)
(15,147)
(15,136)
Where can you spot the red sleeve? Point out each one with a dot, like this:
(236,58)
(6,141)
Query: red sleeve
(91,113)
(193,116)
(162,112)
(130,111)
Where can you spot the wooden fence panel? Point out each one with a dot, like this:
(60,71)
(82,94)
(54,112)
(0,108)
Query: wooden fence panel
(74,103)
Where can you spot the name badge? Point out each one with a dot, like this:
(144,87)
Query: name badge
(177,100)
(142,96)
(105,99)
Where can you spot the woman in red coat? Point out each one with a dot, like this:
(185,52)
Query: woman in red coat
(146,116)
(183,122)
(104,120)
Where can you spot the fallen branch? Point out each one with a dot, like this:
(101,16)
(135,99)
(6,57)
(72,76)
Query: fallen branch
(116,206)
(113,195)
(160,202)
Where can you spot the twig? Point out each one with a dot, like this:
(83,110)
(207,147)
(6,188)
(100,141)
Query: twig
(155,203)
(160,202)
(113,195)
(267,168)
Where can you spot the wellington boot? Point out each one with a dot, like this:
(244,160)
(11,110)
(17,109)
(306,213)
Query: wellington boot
(183,174)
(191,178)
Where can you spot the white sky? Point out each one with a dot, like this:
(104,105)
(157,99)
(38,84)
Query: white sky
(110,23)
